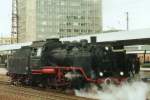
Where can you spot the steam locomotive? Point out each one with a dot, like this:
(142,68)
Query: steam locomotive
(57,64)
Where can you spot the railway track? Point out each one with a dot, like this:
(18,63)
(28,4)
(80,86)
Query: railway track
(42,95)
(37,93)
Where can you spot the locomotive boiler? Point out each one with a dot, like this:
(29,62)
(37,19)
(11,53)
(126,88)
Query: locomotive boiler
(53,63)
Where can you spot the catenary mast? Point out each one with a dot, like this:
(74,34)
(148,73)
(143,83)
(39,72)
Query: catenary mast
(14,30)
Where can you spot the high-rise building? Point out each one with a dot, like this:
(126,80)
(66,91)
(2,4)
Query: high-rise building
(7,40)
(42,19)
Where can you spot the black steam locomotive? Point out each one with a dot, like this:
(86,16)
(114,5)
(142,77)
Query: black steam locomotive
(53,63)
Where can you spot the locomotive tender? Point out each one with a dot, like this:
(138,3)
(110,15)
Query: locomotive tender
(53,63)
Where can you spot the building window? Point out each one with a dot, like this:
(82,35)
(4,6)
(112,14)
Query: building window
(68,30)
(61,30)
(89,31)
(84,31)
(75,17)
(76,30)
(82,17)
(68,24)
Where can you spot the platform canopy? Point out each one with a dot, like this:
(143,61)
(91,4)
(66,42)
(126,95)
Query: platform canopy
(128,37)
(13,46)
(135,37)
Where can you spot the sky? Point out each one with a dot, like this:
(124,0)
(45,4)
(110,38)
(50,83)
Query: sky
(5,17)
(114,15)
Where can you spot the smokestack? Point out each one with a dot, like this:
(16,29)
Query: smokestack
(93,39)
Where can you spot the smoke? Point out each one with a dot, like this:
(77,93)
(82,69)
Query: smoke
(127,91)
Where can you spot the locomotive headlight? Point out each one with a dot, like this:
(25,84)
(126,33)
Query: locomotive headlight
(121,73)
(100,73)
(106,48)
